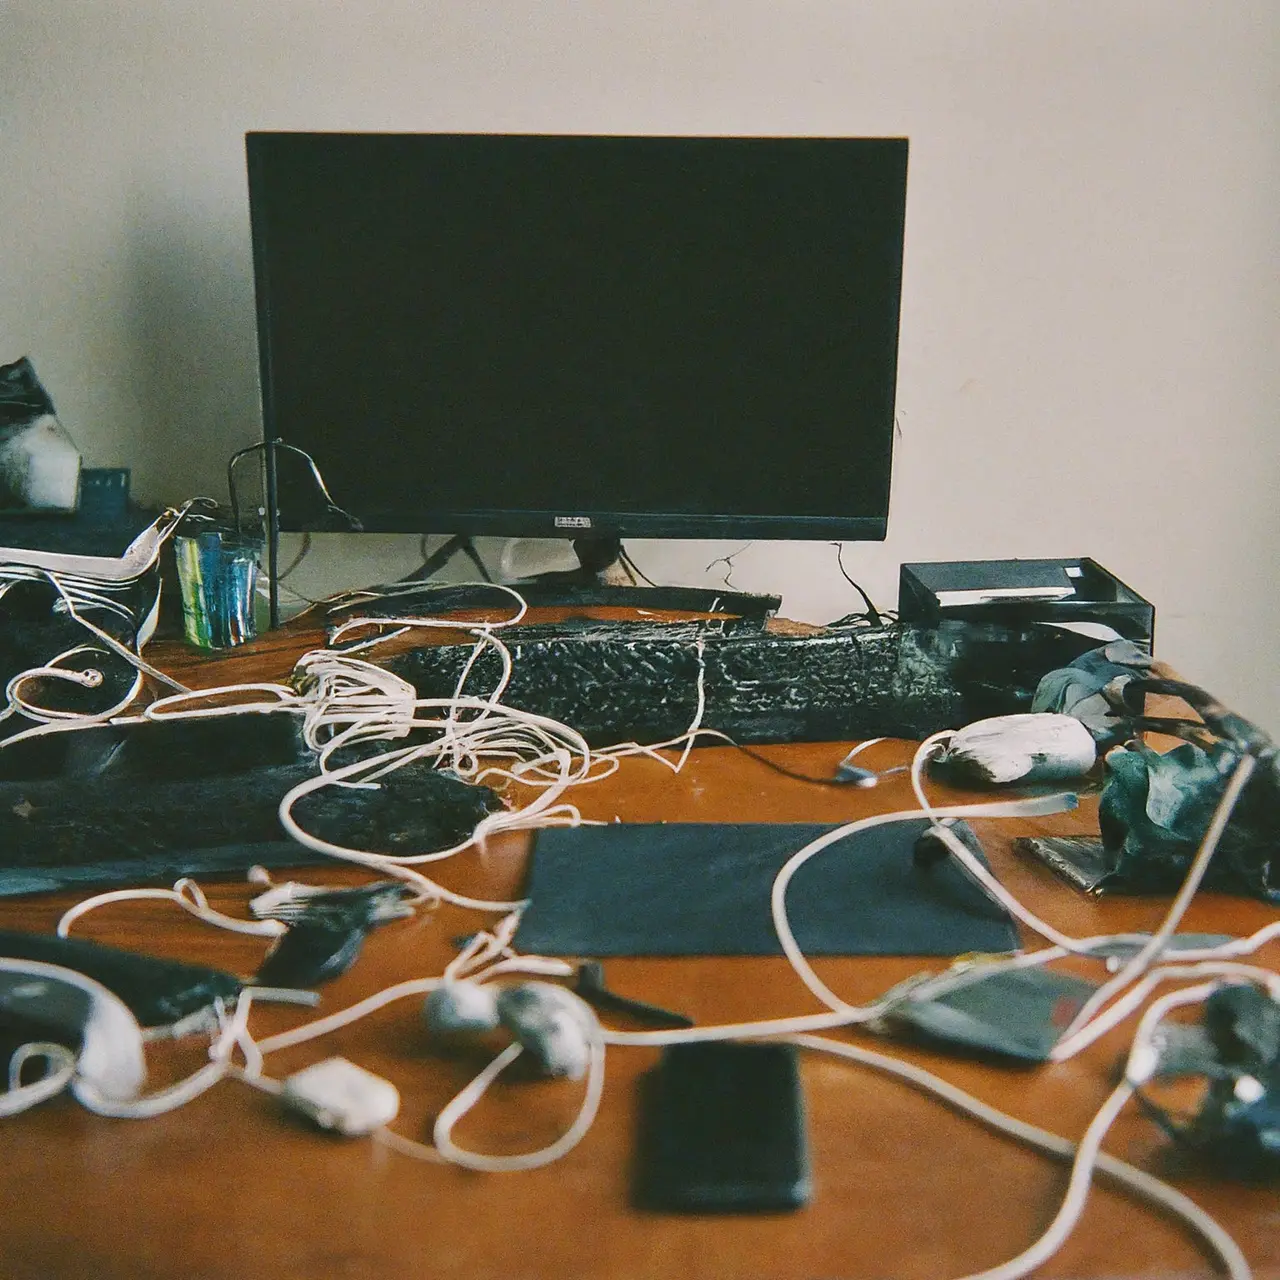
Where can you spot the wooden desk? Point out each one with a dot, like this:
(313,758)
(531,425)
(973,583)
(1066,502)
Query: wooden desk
(227,1188)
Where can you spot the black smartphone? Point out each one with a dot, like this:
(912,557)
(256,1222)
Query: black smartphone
(722,1129)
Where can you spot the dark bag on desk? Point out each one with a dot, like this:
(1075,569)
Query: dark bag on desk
(38,634)
(148,803)
(77,623)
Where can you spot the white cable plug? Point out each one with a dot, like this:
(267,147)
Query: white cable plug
(339,1096)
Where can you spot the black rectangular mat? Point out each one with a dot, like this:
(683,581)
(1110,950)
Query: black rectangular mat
(683,889)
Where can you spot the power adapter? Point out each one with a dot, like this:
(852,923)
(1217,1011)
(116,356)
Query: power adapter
(339,1096)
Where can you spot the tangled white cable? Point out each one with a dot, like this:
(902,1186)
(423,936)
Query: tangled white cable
(188,895)
(84,584)
(60,1067)
(348,703)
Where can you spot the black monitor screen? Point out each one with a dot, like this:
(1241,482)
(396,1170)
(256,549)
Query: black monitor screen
(532,335)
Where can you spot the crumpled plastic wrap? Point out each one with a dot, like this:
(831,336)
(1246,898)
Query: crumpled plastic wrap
(1156,806)
(1154,811)
(1077,689)
(1236,1047)
(616,682)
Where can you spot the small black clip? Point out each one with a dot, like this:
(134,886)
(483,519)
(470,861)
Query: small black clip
(589,984)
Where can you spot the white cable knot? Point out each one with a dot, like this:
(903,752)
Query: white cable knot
(267,904)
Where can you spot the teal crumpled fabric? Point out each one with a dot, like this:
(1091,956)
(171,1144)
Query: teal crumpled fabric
(1076,689)
(1154,811)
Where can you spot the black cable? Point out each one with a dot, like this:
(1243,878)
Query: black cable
(353,524)
(630,564)
(793,774)
(231,481)
(727,561)
(871,614)
(297,560)
(270,449)
(274,586)
(469,550)
(796,776)
(437,560)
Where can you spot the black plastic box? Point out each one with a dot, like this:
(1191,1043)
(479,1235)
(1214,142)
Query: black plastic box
(1014,592)
(998,626)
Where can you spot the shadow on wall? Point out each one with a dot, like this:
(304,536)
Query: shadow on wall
(194,362)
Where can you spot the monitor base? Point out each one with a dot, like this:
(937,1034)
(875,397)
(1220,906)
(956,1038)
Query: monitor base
(604,578)
(564,590)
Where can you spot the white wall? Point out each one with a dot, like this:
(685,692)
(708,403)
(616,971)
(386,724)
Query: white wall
(1090,315)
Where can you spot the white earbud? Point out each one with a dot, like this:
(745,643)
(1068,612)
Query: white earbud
(552,1023)
(461,1006)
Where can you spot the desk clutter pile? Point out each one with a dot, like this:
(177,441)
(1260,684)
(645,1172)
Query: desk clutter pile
(113,775)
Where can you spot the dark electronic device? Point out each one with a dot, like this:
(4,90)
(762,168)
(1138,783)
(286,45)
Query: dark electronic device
(113,805)
(722,1129)
(1017,592)
(327,931)
(580,337)
(998,626)
(1013,1013)
(1236,1049)
(43,1003)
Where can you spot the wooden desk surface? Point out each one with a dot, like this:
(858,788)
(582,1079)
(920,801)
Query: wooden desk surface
(228,1188)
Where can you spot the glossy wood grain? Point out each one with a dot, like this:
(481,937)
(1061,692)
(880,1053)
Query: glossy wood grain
(228,1188)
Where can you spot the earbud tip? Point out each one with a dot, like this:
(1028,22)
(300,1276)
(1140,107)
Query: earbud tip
(460,1007)
(551,1023)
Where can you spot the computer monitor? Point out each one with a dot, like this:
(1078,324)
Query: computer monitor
(580,336)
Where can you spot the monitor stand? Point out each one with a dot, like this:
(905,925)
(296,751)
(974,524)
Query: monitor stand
(437,560)
(597,581)
(600,563)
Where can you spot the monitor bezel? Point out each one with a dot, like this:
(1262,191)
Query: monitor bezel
(511,521)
